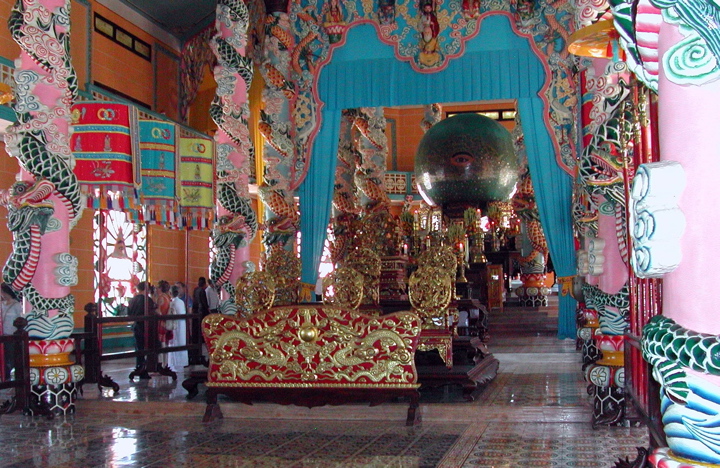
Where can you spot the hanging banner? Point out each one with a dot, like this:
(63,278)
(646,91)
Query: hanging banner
(104,143)
(158,160)
(197,201)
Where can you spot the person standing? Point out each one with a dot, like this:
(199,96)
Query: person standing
(140,305)
(200,304)
(213,299)
(162,299)
(10,309)
(177,359)
(184,296)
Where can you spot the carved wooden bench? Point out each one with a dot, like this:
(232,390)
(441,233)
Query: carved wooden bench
(310,355)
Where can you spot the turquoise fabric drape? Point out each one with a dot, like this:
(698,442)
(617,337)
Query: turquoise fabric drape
(497,64)
(316,194)
(553,192)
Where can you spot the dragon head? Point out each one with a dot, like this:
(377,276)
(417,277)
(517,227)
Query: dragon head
(28,204)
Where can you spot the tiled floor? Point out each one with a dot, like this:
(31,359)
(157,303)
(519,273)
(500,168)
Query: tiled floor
(536,413)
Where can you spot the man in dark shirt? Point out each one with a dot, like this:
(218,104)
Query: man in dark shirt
(200,302)
(199,306)
(141,304)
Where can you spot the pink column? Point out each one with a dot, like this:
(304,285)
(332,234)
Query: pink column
(40,266)
(237,223)
(689,135)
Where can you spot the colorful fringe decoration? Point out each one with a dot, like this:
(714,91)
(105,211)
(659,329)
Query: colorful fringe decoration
(105,147)
(158,194)
(197,201)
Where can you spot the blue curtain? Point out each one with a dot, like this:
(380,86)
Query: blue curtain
(316,194)
(497,64)
(553,192)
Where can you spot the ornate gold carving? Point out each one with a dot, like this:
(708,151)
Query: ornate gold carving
(313,346)
(442,257)
(309,385)
(254,291)
(285,267)
(308,334)
(443,346)
(367,262)
(430,291)
(343,288)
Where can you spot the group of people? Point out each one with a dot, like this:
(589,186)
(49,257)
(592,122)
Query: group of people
(170,300)
(149,300)
(161,300)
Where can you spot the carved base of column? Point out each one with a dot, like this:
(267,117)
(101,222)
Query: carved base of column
(608,406)
(54,399)
(590,352)
(663,458)
(533,301)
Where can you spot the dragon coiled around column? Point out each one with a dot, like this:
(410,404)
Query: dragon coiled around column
(600,168)
(279,128)
(239,225)
(689,401)
(31,149)
(228,235)
(526,209)
(29,211)
(345,196)
(39,140)
(613,309)
(372,152)
(283,226)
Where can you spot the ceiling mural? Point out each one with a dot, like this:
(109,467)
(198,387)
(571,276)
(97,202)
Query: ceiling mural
(429,33)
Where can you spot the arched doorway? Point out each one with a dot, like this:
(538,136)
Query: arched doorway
(499,63)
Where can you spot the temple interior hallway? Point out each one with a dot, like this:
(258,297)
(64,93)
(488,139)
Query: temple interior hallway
(536,413)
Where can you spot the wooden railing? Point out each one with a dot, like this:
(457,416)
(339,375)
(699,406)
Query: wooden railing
(643,391)
(20,382)
(93,355)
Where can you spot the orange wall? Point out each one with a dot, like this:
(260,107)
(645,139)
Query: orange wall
(408,133)
(8,169)
(81,246)
(166,255)
(198,257)
(8,48)
(117,67)
(79,32)
(407,136)
(166,89)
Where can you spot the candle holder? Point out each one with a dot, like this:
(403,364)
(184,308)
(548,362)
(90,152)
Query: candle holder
(461,267)
(477,251)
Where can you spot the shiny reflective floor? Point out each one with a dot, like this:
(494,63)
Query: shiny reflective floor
(536,413)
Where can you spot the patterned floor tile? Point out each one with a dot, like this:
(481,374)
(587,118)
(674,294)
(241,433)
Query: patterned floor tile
(535,413)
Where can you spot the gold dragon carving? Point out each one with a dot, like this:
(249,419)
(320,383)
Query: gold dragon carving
(343,288)
(312,347)
(254,291)
(285,268)
(431,290)
(368,263)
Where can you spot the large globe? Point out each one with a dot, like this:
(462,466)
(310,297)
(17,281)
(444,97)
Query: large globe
(467,159)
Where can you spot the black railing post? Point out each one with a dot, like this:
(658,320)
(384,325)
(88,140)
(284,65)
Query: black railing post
(22,363)
(91,351)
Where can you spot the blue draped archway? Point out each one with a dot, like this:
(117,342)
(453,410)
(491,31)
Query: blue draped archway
(497,64)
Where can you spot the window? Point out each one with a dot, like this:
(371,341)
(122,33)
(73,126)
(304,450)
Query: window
(120,258)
